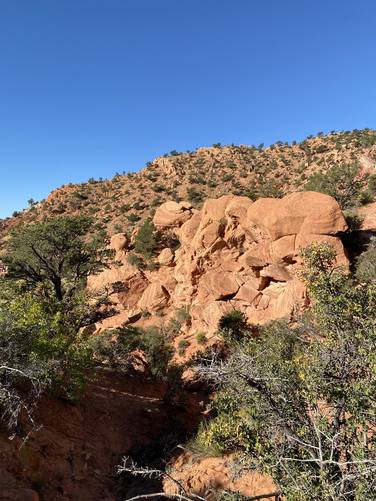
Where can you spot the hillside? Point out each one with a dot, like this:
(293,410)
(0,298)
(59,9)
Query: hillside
(119,203)
(228,289)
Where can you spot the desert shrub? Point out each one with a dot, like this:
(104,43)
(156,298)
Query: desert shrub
(366,264)
(183,314)
(354,221)
(135,260)
(227,430)
(120,349)
(233,326)
(42,348)
(372,183)
(201,338)
(145,242)
(194,196)
(124,208)
(159,188)
(269,188)
(343,182)
(182,346)
(133,218)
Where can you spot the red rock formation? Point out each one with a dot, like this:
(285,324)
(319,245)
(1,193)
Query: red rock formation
(233,254)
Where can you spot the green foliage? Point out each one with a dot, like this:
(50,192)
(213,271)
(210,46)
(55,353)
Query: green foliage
(233,326)
(145,242)
(301,400)
(41,348)
(343,182)
(52,255)
(135,260)
(133,218)
(182,346)
(121,348)
(366,264)
(194,196)
(201,338)
(229,429)
(353,220)
(183,315)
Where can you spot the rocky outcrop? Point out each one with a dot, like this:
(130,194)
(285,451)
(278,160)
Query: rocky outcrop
(172,214)
(234,253)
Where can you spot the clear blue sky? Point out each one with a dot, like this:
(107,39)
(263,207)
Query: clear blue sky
(91,87)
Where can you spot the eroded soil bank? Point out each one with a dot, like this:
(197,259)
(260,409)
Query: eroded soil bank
(74,456)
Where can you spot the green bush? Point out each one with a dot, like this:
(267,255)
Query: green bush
(133,218)
(145,242)
(366,264)
(201,338)
(343,182)
(182,346)
(42,348)
(194,196)
(118,349)
(232,327)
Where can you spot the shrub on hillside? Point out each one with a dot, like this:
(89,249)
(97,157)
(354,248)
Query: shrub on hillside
(120,349)
(343,182)
(366,264)
(145,242)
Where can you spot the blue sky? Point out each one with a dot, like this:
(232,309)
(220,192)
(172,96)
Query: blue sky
(92,87)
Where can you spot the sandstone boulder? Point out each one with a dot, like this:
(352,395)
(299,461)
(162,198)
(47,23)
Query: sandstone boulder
(172,214)
(220,285)
(166,257)
(154,298)
(306,212)
(247,293)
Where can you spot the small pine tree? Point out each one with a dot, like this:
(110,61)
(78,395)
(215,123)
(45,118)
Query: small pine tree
(145,242)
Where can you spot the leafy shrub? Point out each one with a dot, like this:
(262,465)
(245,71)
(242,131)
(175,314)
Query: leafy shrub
(233,326)
(133,218)
(135,260)
(194,196)
(342,182)
(366,264)
(118,349)
(354,221)
(145,242)
(42,348)
(182,346)
(201,338)
(301,400)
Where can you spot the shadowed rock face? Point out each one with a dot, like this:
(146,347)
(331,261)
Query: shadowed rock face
(234,253)
(74,456)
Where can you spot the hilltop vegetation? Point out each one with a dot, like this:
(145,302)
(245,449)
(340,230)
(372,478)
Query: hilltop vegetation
(117,205)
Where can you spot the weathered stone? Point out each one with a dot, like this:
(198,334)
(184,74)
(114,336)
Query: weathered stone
(276,272)
(247,293)
(166,257)
(220,284)
(154,298)
(172,214)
